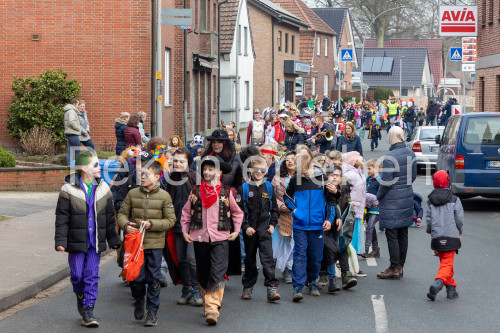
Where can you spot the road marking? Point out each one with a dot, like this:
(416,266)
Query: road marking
(380,313)
(371,262)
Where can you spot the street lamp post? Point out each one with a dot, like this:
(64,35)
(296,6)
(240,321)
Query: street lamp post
(401,76)
(363,48)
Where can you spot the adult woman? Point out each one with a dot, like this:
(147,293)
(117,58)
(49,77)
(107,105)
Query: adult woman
(395,196)
(142,118)
(72,129)
(175,141)
(294,135)
(120,127)
(283,247)
(84,125)
(349,140)
(132,134)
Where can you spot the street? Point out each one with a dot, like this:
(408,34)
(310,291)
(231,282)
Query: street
(372,306)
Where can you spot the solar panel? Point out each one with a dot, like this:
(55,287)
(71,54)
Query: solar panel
(377,64)
(367,64)
(387,65)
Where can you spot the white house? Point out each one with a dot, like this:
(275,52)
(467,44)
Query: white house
(236,64)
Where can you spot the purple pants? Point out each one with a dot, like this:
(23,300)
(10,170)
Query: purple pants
(85,274)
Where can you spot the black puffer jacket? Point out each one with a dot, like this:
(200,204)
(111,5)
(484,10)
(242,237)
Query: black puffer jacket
(71,217)
(180,193)
(293,139)
(120,127)
(432,110)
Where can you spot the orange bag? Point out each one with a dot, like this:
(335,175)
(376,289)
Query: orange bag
(134,254)
(286,225)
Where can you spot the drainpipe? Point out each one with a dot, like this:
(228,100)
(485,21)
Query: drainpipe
(184,103)
(237,83)
(153,66)
(218,60)
(273,23)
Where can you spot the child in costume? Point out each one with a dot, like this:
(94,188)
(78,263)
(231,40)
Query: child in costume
(372,216)
(84,222)
(175,141)
(206,221)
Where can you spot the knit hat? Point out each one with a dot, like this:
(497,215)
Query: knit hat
(83,159)
(351,157)
(441,179)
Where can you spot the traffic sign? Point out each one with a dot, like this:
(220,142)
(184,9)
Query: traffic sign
(468,67)
(458,21)
(473,74)
(346,55)
(455,54)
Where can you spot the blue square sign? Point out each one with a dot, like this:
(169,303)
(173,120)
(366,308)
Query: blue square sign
(456,54)
(346,55)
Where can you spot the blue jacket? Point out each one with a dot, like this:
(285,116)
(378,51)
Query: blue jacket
(322,142)
(121,144)
(293,139)
(417,205)
(395,194)
(350,145)
(311,202)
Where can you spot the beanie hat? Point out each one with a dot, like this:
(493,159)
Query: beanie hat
(441,179)
(83,159)
(351,157)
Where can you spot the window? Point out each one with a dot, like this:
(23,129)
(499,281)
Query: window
(286,43)
(247,94)
(196,23)
(326,47)
(318,52)
(490,11)
(483,131)
(214,15)
(481,93)
(167,77)
(293,44)
(245,40)
(344,84)
(404,92)
(279,41)
(240,39)
(313,86)
(300,86)
(277,92)
(208,24)
(483,13)
(203,15)
(325,85)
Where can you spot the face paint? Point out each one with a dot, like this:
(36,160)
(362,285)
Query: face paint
(94,169)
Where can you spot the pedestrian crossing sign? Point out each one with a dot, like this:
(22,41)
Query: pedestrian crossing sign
(456,54)
(346,55)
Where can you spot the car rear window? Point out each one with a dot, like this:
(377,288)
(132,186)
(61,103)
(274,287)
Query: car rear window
(483,131)
(430,133)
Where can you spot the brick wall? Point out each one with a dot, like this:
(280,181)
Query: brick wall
(323,65)
(105,45)
(32,179)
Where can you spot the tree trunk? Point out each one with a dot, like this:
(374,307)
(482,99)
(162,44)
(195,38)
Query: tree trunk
(380,29)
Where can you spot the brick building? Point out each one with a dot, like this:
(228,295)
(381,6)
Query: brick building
(488,56)
(318,47)
(276,41)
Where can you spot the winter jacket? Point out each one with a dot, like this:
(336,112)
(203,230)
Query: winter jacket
(279,133)
(235,177)
(180,194)
(350,145)
(395,194)
(279,186)
(372,184)
(154,206)
(432,110)
(84,125)
(271,171)
(321,141)
(132,136)
(374,132)
(358,188)
(293,139)
(261,209)
(417,205)
(71,122)
(445,218)
(410,115)
(71,217)
(311,203)
(121,143)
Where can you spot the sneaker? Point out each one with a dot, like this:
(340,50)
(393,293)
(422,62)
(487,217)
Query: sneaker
(314,289)
(417,224)
(198,300)
(88,319)
(434,289)
(247,293)
(323,280)
(348,281)
(297,295)
(272,294)
(211,319)
(361,274)
(451,292)
(332,286)
(79,303)
(139,310)
(151,319)
(288,276)
(186,296)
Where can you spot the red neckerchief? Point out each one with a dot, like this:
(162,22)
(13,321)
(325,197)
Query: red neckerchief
(209,194)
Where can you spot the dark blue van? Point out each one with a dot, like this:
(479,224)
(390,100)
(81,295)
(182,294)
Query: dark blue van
(470,153)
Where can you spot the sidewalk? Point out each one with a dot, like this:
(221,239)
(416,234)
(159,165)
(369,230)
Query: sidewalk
(29,262)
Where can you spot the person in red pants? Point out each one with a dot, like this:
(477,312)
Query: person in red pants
(442,208)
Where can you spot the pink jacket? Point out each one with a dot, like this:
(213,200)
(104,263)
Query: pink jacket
(210,218)
(358,190)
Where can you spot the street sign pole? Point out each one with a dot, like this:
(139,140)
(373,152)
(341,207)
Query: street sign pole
(338,73)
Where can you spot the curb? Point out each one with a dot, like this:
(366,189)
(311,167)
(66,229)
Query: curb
(34,287)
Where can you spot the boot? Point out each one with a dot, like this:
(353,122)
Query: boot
(451,292)
(401,272)
(211,319)
(88,319)
(186,296)
(139,310)
(375,253)
(434,289)
(332,286)
(198,301)
(390,273)
(151,319)
(272,294)
(297,295)
(314,288)
(288,276)
(79,303)
(348,281)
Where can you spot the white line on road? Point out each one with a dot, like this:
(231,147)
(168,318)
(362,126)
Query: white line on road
(380,313)
(371,262)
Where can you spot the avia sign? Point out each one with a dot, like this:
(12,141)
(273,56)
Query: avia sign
(458,21)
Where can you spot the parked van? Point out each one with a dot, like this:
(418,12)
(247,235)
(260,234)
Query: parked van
(469,150)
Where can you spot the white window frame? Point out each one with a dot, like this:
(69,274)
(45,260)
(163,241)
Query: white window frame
(166,96)
(325,85)
(245,39)
(240,33)
(277,92)
(318,47)
(313,86)
(326,47)
(247,94)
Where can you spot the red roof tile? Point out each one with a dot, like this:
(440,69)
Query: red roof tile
(228,16)
(300,9)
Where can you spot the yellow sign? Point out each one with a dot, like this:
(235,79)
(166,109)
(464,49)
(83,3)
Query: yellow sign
(159,98)
(158,75)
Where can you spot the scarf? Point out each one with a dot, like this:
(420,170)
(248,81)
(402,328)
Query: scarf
(209,194)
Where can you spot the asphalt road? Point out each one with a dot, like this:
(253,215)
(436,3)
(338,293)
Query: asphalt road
(403,301)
